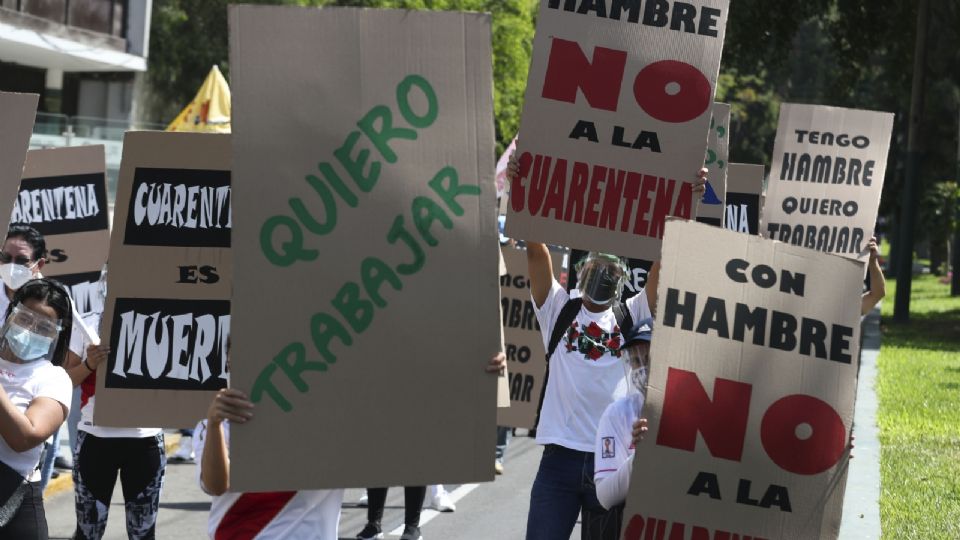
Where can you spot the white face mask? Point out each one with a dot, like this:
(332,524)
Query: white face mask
(15,275)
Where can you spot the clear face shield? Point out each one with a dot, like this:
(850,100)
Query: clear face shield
(29,335)
(601,278)
(636,363)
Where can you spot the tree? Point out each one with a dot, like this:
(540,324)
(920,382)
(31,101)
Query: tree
(189,36)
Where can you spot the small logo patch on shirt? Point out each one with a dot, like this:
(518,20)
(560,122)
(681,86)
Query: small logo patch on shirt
(609,450)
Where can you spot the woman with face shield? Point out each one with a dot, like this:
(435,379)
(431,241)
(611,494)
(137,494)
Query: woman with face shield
(614,445)
(35,395)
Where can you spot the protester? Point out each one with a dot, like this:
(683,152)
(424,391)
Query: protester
(878,285)
(34,399)
(413,497)
(614,440)
(136,454)
(584,372)
(265,516)
(21,259)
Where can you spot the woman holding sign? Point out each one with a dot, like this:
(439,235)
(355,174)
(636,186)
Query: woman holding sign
(35,394)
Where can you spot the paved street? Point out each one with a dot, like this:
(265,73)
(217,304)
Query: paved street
(485,511)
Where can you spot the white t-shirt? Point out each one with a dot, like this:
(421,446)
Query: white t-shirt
(23,383)
(88,389)
(270,515)
(586,371)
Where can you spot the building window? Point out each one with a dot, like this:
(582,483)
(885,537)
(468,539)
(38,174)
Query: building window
(54,10)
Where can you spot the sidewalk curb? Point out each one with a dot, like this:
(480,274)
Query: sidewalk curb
(861,505)
(64,482)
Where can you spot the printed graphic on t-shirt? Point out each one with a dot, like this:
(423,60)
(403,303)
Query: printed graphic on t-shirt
(593,342)
(609,449)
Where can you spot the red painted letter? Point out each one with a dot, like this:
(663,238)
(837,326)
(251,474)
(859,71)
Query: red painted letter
(568,69)
(689,101)
(687,409)
(812,455)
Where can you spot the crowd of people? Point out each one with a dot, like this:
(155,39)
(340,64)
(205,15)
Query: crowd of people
(589,422)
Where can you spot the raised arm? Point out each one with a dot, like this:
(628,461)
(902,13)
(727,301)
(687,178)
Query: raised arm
(878,285)
(229,404)
(540,270)
(650,287)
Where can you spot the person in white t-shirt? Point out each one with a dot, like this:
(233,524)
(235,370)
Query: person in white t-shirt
(261,516)
(136,455)
(35,393)
(621,423)
(584,376)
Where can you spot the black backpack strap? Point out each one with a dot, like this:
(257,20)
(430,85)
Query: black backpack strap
(567,315)
(622,313)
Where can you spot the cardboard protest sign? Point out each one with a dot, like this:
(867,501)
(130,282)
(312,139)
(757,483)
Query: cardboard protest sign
(826,178)
(744,187)
(526,357)
(167,317)
(711,205)
(17,112)
(366,258)
(751,392)
(615,120)
(63,194)
(637,270)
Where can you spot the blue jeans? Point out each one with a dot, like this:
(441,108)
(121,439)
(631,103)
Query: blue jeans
(563,490)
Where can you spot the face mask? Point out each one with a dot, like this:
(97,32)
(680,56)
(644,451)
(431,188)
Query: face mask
(26,345)
(15,275)
(601,283)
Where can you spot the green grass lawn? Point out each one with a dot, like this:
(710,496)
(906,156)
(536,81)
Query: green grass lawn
(918,388)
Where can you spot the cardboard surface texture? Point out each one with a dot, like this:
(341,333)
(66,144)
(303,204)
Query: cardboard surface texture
(752,388)
(167,315)
(17,113)
(826,178)
(526,357)
(63,194)
(711,206)
(615,122)
(366,257)
(744,188)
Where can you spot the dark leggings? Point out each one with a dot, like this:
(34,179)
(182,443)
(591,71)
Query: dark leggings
(29,521)
(412,502)
(139,462)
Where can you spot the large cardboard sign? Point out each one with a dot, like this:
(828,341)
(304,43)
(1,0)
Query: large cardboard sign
(711,206)
(167,317)
(526,357)
(751,393)
(63,194)
(366,188)
(826,178)
(744,187)
(615,120)
(17,112)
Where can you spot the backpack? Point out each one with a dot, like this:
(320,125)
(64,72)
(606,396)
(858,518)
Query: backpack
(567,315)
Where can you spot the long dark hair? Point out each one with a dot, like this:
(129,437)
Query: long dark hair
(53,294)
